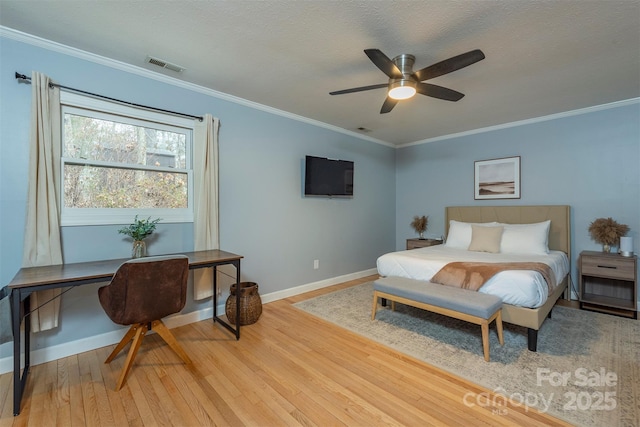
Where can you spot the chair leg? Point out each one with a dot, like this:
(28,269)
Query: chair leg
(163,331)
(123,342)
(140,331)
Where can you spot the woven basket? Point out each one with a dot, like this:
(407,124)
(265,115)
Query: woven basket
(250,304)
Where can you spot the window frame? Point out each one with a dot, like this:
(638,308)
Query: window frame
(101,109)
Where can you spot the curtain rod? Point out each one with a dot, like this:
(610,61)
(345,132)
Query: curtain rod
(28,79)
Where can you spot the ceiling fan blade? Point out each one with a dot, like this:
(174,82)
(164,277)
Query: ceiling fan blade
(449,65)
(388,105)
(438,92)
(359,89)
(384,63)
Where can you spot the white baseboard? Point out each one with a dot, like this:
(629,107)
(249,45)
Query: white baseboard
(60,351)
(274,296)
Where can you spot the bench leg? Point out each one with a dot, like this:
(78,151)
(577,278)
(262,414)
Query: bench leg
(499,327)
(485,332)
(382,300)
(375,305)
(485,339)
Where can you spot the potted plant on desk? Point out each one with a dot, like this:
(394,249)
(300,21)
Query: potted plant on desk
(138,231)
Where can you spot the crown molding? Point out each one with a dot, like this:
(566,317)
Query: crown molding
(562,115)
(22,37)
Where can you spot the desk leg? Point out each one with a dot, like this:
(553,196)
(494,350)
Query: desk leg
(215,293)
(15,320)
(27,340)
(237,265)
(236,330)
(19,382)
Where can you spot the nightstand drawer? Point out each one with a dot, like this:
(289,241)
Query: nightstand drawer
(422,243)
(615,268)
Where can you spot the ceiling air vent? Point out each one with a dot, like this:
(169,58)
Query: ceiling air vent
(164,64)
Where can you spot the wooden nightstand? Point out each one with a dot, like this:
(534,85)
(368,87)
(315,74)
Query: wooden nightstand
(609,283)
(422,243)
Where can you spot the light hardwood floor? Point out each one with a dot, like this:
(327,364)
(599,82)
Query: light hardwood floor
(288,369)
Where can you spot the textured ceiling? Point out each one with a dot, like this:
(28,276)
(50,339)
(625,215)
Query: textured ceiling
(542,57)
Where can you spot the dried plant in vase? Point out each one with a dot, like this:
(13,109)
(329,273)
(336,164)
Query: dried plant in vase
(419,224)
(607,232)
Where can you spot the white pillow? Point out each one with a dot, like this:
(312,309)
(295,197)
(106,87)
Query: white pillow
(485,239)
(525,238)
(459,236)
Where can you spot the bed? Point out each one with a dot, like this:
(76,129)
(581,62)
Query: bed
(528,298)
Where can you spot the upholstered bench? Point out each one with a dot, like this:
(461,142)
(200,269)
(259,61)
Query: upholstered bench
(463,304)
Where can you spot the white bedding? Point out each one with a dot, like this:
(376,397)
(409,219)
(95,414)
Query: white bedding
(517,287)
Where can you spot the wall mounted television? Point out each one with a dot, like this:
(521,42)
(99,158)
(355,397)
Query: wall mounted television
(328,177)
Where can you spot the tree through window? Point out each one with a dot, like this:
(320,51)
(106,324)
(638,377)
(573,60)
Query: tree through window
(117,164)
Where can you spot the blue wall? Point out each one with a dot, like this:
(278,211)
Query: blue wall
(589,161)
(263,215)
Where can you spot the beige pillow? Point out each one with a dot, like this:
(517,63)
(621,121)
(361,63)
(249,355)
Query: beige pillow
(485,239)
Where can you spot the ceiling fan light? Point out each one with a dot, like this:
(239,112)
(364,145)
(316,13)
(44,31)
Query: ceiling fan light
(402,89)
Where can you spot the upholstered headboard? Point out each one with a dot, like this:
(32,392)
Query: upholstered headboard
(559,232)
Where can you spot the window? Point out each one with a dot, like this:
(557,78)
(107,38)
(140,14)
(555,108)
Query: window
(118,162)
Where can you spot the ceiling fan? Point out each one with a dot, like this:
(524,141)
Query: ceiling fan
(404,82)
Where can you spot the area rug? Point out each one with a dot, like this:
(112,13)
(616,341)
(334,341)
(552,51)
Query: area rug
(586,370)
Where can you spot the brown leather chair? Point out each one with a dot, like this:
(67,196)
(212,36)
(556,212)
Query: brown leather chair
(141,293)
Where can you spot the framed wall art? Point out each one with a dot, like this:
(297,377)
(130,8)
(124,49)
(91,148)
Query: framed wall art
(497,178)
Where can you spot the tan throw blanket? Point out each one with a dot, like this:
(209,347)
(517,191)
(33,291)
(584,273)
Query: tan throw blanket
(472,275)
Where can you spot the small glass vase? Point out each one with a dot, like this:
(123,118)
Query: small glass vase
(606,248)
(421,235)
(139,249)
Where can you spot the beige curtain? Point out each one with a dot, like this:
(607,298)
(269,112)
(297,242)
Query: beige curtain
(205,223)
(42,236)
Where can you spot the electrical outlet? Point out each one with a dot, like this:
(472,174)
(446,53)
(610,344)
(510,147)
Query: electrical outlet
(316,264)
(219,290)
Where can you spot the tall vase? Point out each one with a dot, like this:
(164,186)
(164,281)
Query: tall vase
(139,249)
